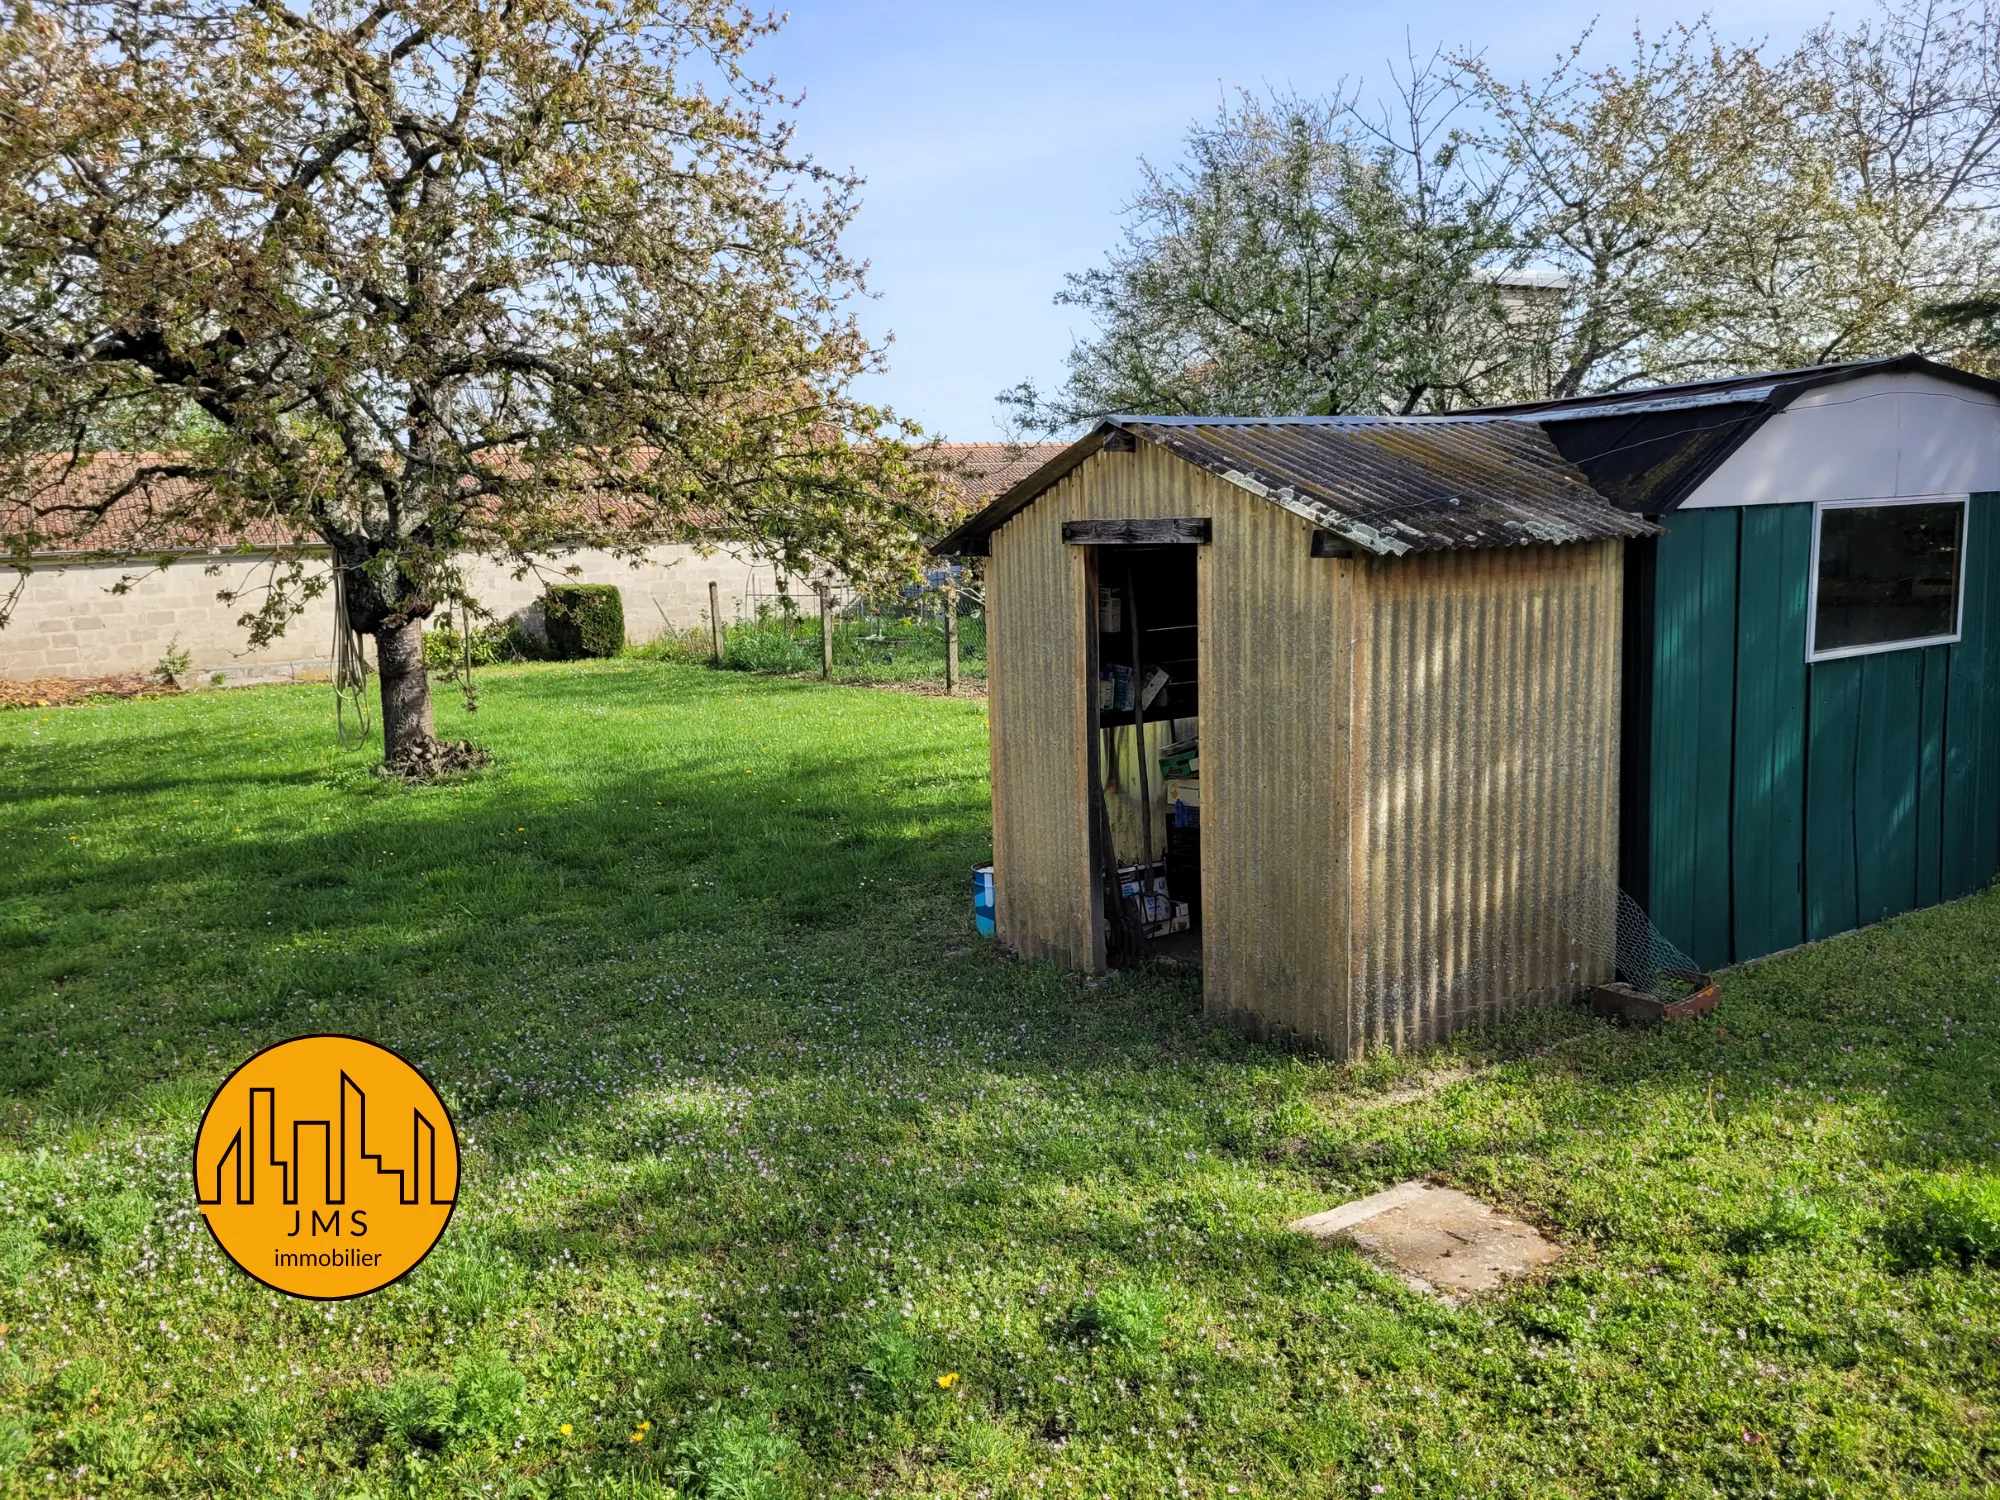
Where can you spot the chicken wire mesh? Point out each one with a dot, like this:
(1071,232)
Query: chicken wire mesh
(1606,923)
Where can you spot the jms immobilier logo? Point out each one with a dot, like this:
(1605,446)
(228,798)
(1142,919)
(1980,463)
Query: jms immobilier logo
(326,1167)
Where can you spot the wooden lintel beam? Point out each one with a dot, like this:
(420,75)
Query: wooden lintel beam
(1144,531)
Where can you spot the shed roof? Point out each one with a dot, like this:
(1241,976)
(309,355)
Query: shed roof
(1386,485)
(1649,450)
(1785,384)
(1542,471)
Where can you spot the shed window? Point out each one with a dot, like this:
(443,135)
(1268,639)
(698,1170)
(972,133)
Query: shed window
(1886,575)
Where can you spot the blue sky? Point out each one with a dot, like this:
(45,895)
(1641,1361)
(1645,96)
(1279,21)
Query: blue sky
(999,141)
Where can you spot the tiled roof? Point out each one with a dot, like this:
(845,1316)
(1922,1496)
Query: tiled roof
(59,505)
(979,471)
(123,502)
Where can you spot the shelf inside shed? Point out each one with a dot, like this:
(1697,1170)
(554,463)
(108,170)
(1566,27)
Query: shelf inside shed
(1148,705)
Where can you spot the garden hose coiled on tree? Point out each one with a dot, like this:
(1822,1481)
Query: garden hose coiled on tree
(350,672)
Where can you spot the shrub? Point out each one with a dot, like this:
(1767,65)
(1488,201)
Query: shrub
(176,661)
(1950,1217)
(771,644)
(584,619)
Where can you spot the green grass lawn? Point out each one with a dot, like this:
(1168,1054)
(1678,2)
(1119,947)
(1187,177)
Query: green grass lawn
(762,1145)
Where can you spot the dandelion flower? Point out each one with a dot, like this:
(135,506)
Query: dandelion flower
(565,1429)
(948,1381)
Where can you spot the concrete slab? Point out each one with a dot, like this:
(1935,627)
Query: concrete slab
(1442,1242)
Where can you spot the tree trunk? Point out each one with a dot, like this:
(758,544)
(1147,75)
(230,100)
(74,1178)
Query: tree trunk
(406,688)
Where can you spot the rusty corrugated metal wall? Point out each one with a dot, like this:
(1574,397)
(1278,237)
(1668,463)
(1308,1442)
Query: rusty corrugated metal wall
(1485,782)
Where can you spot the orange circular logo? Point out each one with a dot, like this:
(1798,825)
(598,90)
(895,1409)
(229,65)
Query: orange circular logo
(326,1167)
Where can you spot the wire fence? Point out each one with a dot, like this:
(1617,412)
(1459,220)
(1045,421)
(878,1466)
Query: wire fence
(923,601)
(883,636)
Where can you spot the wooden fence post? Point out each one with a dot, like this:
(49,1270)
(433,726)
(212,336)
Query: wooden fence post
(826,631)
(715,621)
(951,638)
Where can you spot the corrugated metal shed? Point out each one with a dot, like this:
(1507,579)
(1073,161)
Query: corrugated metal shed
(1408,762)
(1430,665)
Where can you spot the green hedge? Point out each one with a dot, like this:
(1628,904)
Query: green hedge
(584,619)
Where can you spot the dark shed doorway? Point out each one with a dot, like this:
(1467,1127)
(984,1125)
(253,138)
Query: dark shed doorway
(1146,751)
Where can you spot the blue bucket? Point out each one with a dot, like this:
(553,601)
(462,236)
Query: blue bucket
(982,900)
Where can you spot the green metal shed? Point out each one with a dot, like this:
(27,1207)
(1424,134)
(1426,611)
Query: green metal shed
(1812,650)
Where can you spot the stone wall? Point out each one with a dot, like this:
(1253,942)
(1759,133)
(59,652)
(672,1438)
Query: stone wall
(69,623)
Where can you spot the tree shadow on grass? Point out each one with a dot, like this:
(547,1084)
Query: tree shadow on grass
(647,841)
(703,994)
(457,921)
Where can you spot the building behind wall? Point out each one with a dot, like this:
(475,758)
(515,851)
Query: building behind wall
(72,620)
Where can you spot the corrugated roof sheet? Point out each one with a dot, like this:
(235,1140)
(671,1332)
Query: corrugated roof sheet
(1386,485)
(1393,486)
